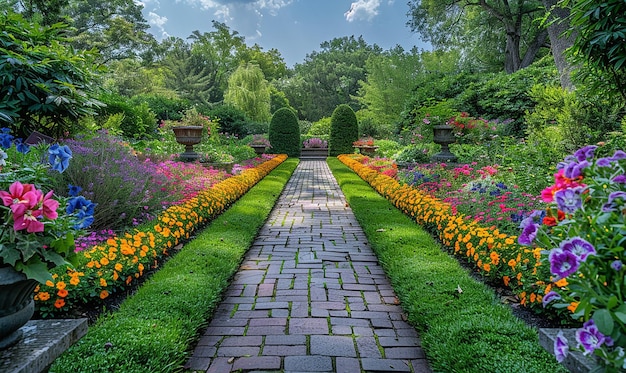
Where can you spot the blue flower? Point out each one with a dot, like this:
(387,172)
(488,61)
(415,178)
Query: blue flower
(617,265)
(501,185)
(82,208)
(59,157)
(21,146)
(5,139)
(74,190)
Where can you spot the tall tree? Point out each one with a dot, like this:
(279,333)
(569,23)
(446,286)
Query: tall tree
(331,76)
(560,39)
(437,20)
(390,78)
(114,27)
(249,91)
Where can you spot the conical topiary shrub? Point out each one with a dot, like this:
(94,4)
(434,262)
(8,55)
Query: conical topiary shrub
(344,130)
(284,133)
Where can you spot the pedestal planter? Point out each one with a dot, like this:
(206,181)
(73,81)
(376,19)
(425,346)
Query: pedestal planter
(16,304)
(188,136)
(444,136)
(367,150)
(258,149)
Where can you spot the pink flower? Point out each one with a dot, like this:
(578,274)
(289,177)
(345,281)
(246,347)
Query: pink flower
(49,206)
(16,193)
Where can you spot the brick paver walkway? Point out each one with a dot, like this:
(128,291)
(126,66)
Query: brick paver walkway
(310,295)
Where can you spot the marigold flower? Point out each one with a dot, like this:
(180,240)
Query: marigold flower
(104,294)
(59,303)
(60,285)
(44,296)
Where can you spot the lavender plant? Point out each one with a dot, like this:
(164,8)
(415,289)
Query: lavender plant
(125,189)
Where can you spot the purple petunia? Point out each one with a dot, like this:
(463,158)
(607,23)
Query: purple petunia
(569,200)
(575,169)
(619,154)
(561,347)
(579,247)
(585,152)
(562,263)
(611,204)
(619,179)
(551,296)
(617,265)
(528,235)
(590,338)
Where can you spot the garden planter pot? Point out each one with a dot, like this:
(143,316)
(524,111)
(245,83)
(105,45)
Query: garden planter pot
(16,304)
(188,136)
(444,136)
(313,153)
(370,151)
(258,149)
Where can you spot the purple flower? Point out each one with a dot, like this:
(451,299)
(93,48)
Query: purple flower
(611,203)
(620,179)
(573,170)
(585,153)
(569,199)
(562,263)
(604,162)
(528,235)
(590,338)
(561,347)
(579,247)
(569,159)
(619,154)
(617,265)
(553,295)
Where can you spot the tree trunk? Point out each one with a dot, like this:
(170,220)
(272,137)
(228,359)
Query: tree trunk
(511,53)
(559,42)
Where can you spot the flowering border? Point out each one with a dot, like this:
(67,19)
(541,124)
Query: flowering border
(115,265)
(496,255)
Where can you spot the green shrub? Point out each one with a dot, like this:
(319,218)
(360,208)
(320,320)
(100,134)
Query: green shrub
(284,133)
(387,148)
(344,130)
(320,128)
(415,153)
(163,107)
(232,120)
(138,121)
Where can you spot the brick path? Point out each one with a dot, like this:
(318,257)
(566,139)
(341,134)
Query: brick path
(310,295)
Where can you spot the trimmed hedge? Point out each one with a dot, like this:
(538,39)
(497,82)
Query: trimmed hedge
(284,133)
(344,130)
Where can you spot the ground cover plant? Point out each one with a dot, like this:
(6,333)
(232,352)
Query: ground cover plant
(462,325)
(168,311)
(113,265)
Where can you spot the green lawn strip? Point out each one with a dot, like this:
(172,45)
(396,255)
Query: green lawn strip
(155,328)
(462,325)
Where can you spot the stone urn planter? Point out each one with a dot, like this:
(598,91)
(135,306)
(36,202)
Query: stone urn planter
(188,136)
(367,150)
(443,135)
(16,304)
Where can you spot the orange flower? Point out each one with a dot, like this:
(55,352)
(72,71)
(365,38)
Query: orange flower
(74,280)
(62,293)
(104,294)
(104,261)
(561,283)
(49,284)
(44,296)
(103,282)
(59,303)
(506,280)
(572,307)
(60,285)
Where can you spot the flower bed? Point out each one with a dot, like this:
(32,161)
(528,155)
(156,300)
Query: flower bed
(495,255)
(114,265)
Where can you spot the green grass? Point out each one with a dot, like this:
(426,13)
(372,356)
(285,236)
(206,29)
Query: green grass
(154,329)
(462,325)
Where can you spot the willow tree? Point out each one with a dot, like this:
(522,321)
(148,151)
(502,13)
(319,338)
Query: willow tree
(249,91)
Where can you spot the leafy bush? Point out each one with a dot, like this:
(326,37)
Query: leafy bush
(232,120)
(321,128)
(284,133)
(163,107)
(344,130)
(124,188)
(387,148)
(138,121)
(416,153)
(45,85)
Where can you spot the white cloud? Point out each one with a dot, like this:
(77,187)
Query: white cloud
(362,10)
(159,22)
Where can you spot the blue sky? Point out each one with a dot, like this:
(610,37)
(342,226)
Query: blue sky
(294,27)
